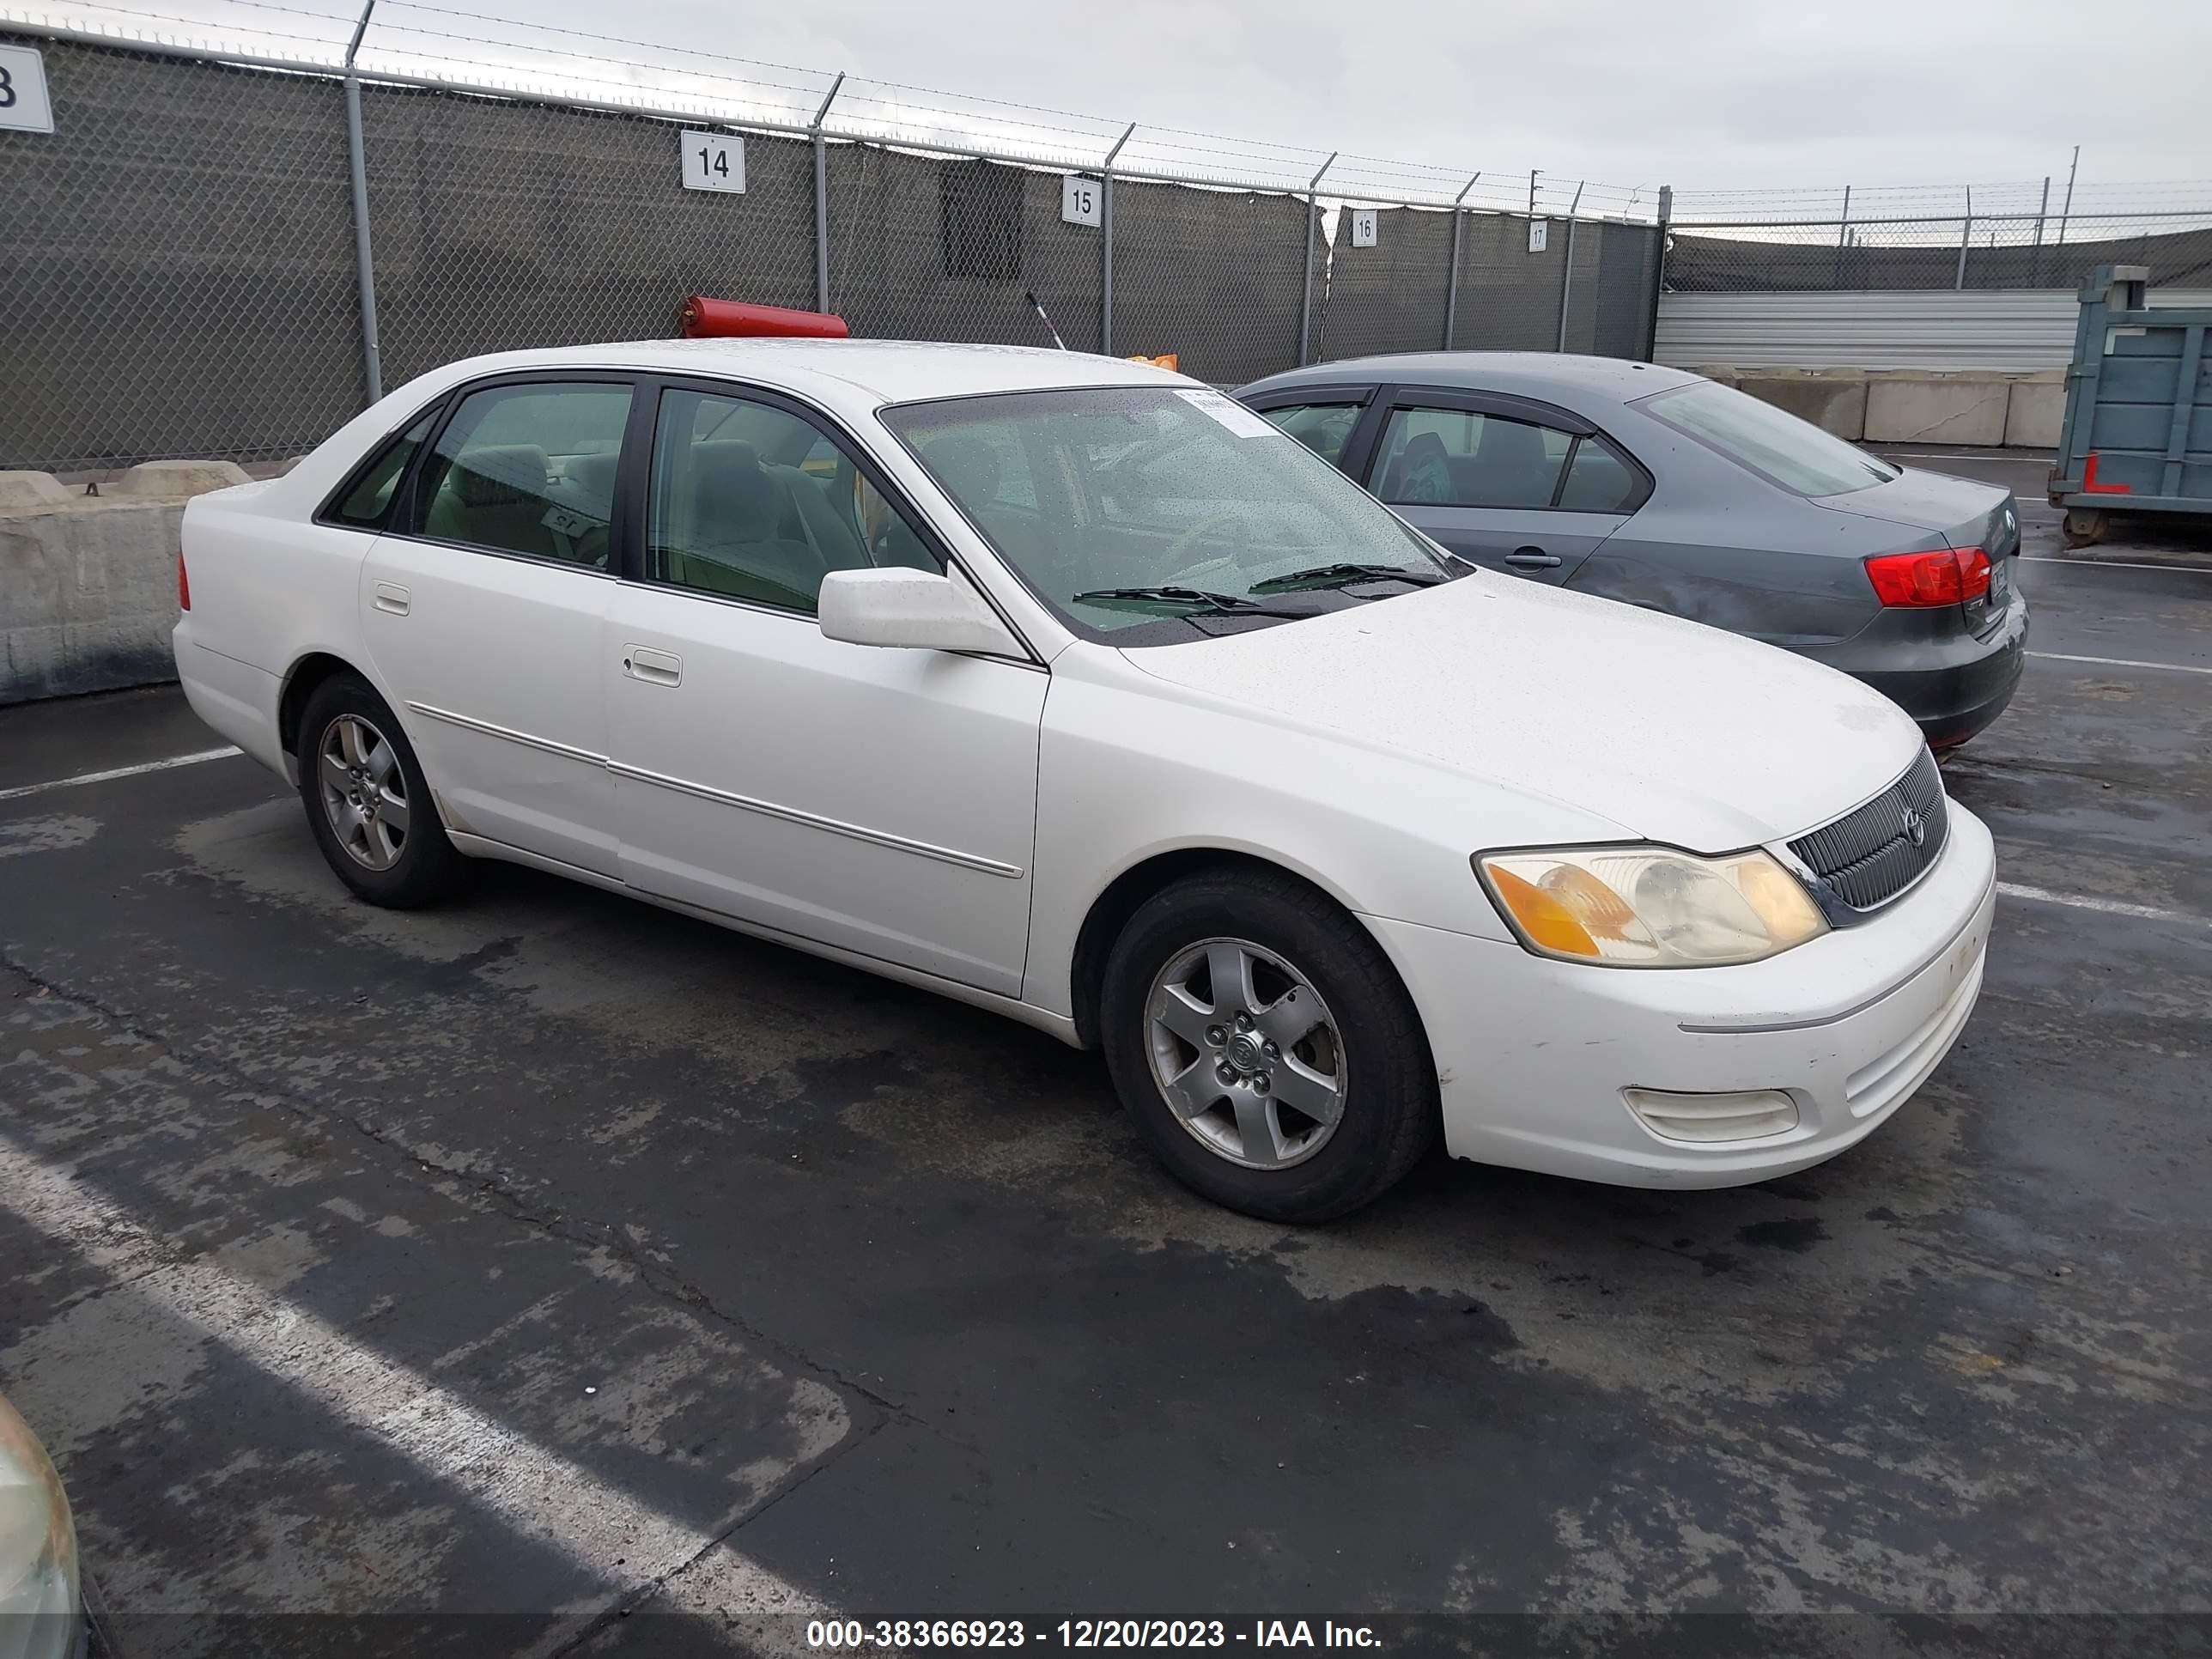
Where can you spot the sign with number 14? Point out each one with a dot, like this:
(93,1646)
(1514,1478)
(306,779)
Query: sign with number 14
(714,161)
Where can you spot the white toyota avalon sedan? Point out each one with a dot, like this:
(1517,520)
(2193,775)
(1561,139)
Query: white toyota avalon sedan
(1066,687)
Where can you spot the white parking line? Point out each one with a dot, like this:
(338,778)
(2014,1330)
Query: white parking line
(2114,564)
(2110,907)
(2120,662)
(22,789)
(540,1494)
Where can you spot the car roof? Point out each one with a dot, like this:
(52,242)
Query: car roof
(883,371)
(1527,374)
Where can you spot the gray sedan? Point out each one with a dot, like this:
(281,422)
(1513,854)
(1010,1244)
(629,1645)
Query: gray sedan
(1662,488)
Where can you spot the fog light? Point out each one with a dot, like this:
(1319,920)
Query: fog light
(1749,1114)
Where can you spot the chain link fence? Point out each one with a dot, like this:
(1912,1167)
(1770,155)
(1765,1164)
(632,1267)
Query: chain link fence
(1217,278)
(190,296)
(499,226)
(203,297)
(929,249)
(2010,250)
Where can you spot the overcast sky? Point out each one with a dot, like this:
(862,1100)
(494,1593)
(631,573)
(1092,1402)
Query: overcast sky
(1701,94)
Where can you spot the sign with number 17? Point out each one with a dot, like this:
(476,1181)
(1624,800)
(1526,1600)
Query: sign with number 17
(714,161)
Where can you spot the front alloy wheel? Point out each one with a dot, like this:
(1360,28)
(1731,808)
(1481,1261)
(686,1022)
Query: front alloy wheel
(1264,1046)
(1246,1054)
(364,791)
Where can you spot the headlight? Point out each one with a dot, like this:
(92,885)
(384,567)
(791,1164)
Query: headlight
(1650,907)
(38,1606)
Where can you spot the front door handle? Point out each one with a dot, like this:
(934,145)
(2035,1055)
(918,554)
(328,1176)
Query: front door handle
(1531,558)
(391,599)
(652,667)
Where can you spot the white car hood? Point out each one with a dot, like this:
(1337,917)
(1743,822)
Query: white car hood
(1675,732)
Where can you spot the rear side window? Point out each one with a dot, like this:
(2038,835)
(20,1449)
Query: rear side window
(368,500)
(1598,481)
(1762,439)
(527,469)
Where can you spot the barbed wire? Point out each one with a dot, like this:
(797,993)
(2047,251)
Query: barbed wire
(517,57)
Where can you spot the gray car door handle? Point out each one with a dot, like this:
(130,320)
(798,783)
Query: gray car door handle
(1531,558)
(391,598)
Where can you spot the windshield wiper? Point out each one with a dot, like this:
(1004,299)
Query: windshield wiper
(1345,574)
(1166,595)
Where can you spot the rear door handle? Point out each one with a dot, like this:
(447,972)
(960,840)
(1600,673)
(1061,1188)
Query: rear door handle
(1531,558)
(653,667)
(391,598)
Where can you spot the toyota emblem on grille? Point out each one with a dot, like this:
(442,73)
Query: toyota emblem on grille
(1916,827)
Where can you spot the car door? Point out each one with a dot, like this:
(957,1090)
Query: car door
(1502,482)
(881,801)
(485,605)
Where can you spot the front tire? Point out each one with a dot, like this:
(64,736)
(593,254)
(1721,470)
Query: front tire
(1265,1048)
(368,802)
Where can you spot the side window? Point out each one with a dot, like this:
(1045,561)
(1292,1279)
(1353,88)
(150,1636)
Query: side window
(1324,429)
(749,501)
(1598,481)
(529,469)
(364,506)
(1456,457)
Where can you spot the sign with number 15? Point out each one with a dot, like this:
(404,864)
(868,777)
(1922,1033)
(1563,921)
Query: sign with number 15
(714,161)
(1081,199)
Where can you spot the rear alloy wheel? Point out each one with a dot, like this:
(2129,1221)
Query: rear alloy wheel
(364,791)
(1265,1047)
(367,801)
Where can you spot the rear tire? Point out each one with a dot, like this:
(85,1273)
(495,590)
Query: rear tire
(368,805)
(1265,1048)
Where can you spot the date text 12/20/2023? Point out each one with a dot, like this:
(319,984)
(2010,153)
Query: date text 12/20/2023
(896,1635)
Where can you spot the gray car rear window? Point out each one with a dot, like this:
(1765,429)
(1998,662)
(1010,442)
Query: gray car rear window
(1775,445)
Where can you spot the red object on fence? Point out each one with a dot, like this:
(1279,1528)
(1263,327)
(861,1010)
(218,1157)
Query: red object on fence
(705,318)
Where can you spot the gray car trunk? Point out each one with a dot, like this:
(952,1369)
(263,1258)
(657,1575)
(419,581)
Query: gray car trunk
(1963,512)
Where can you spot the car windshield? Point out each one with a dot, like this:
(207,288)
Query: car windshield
(1771,442)
(1120,505)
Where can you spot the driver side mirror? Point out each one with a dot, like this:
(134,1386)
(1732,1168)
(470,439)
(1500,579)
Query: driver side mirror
(916,609)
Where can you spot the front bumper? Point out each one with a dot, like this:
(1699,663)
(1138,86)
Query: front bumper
(1533,1054)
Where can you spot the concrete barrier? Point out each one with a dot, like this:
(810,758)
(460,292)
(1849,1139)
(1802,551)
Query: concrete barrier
(1935,406)
(2037,410)
(1833,400)
(89,583)
(1980,407)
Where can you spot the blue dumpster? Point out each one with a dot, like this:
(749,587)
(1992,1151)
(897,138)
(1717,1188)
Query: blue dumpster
(2137,433)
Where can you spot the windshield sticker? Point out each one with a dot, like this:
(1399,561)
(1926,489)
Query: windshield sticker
(1231,413)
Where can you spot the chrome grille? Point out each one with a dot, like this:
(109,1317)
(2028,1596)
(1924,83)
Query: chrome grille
(1867,857)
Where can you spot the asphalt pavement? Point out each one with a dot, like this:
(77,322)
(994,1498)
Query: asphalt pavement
(549,1273)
